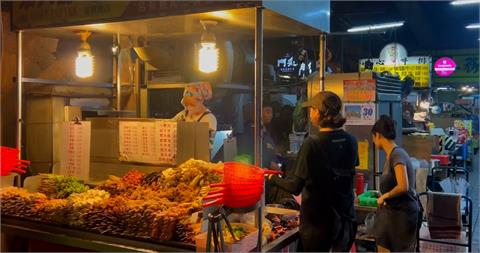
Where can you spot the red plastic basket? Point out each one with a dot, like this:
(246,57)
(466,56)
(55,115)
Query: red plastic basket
(242,187)
(444,159)
(10,162)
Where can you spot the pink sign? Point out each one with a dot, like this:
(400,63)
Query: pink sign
(444,66)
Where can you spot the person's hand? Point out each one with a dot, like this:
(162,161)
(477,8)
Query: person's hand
(381,199)
(274,166)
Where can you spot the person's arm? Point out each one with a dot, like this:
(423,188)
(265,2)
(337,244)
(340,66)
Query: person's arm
(294,183)
(291,184)
(401,187)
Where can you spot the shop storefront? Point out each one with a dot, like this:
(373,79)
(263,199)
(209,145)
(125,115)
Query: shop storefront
(129,178)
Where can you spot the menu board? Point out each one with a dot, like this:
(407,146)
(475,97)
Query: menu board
(75,149)
(148,142)
(417,67)
(167,141)
(359,90)
(419,72)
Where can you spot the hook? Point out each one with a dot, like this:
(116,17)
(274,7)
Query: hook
(77,121)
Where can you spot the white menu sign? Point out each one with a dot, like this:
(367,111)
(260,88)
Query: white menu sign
(148,142)
(75,149)
(360,113)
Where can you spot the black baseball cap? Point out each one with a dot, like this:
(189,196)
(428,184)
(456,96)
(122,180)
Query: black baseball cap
(325,101)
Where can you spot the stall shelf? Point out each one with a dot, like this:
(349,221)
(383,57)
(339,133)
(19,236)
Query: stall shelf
(84,239)
(96,242)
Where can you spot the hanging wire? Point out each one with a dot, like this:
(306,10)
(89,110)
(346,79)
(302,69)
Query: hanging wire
(1,34)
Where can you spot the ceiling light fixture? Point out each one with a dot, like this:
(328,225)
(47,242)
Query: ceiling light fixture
(473,26)
(208,54)
(376,27)
(464,2)
(84,60)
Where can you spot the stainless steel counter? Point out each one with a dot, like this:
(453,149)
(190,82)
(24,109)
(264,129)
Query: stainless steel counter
(290,237)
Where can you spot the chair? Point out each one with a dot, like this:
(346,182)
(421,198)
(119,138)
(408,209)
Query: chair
(466,227)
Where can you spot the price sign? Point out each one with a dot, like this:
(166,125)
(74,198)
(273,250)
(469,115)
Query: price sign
(153,142)
(75,151)
(360,113)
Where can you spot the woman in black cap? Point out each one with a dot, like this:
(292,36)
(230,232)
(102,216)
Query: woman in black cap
(324,173)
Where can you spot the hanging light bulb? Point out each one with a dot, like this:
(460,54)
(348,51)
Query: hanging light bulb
(208,58)
(208,53)
(84,61)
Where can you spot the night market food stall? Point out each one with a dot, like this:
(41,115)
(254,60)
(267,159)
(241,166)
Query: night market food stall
(122,178)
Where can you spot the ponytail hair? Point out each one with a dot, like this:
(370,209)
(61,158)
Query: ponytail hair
(386,127)
(331,111)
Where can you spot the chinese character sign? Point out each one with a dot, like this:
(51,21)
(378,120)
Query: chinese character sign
(359,90)
(75,149)
(417,67)
(148,142)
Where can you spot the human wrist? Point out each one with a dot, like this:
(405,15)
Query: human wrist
(386,195)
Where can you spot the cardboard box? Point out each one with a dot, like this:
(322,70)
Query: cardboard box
(72,113)
(44,110)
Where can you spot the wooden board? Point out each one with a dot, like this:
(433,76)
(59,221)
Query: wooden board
(420,147)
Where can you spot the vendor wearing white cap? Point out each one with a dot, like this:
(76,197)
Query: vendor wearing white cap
(194,96)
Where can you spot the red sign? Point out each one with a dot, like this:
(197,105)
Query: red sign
(359,90)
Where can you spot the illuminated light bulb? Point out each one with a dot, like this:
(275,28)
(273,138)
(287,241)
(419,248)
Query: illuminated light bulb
(208,58)
(84,60)
(84,64)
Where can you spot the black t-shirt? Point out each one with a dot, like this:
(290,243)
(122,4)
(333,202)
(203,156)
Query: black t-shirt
(324,173)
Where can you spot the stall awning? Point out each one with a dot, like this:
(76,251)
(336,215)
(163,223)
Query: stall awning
(50,14)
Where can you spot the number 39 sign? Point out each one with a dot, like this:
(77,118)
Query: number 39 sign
(360,113)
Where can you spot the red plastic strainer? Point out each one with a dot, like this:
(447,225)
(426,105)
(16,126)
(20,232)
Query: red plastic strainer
(10,162)
(242,187)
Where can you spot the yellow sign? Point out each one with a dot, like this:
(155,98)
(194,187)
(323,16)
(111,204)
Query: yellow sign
(419,72)
(363,155)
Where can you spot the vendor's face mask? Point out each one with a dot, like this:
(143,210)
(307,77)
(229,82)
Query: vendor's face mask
(192,105)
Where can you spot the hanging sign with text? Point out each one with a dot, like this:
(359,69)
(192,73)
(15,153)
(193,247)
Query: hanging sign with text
(75,149)
(359,90)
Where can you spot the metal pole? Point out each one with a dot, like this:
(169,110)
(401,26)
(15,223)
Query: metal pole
(138,87)
(258,85)
(258,109)
(321,65)
(119,77)
(20,93)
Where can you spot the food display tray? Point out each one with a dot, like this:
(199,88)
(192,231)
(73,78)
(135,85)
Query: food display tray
(83,239)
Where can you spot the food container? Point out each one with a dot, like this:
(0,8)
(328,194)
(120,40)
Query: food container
(444,159)
(246,244)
